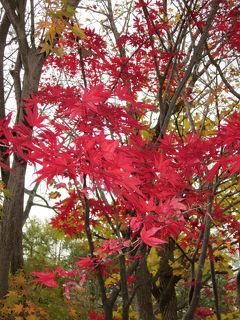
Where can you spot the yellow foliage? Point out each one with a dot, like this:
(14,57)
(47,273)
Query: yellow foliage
(73,313)
(230,316)
(178,268)
(32,317)
(12,293)
(112,280)
(186,124)
(54,195)
(153,261)
(46,47)
(59,18)
(2,186)
(18,308)
(19,279)
(27,301)
(177,17)
(43,24)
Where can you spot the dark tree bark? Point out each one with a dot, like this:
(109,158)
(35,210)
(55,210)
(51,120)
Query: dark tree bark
(144,290)
(165,292)
(12,209)
(4,28)
(11,231)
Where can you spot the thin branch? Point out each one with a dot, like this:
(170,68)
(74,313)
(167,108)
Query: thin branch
(214,283)
(181,249)
(35,195)
(19,25)
(227,84)
(82,66)
(124,287)
(15,73)
(205,242)
(197,55)
(86,206)
(32,13)
(4,27)
(29,204)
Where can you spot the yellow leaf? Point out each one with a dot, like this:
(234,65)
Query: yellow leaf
(153,257)
(54,195)
(43,313)
(177,17)
(186,124)
(30,310)
(43,24)
(153,260)
(112,280)
(18,308)
(73,313)
(46,47)
(20,279)
(12,294)
(31,317)
(2,186)
(177,268)
(211,98)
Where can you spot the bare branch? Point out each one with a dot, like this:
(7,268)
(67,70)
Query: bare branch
(197,54)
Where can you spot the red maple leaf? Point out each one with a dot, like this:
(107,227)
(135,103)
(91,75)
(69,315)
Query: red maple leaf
(46,278)
(148,237)
(203,312)
(85,263)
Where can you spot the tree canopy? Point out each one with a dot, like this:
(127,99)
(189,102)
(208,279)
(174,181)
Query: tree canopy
(130,113)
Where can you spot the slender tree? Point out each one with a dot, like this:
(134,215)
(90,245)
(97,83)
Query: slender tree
(26,75)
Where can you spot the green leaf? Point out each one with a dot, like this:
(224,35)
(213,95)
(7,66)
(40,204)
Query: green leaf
(78,31)
(70,11)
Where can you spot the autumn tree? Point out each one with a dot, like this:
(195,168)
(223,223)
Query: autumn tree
(142,131)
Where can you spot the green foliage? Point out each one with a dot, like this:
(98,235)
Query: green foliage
(44,248)
(48,246)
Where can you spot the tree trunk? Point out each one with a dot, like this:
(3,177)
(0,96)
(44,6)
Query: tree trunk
(11,252)
(165,293)
(108,312)
(11,225)
(4,28)
(17,254)
(30,85)
(168,301)
(144,291)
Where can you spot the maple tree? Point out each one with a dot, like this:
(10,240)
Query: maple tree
(142,133)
